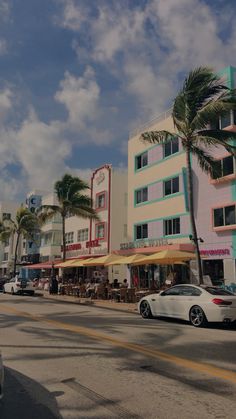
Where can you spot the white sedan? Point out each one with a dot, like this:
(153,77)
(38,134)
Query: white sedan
(19,286)
(197,304)
(1,377)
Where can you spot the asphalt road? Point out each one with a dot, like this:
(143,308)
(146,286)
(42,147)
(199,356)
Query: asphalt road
(71,361)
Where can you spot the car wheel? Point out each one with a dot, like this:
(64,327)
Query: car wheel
(12,291)
(145,310)
(197,317)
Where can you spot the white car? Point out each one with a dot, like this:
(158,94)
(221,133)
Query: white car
(1,377)
(197,304)
(19,286)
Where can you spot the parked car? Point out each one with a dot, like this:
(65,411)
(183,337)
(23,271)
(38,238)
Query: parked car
(197,304)
(19,286)
(1,377)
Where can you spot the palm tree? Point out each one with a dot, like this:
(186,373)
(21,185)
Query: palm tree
(71,201)
(197,106)
(25,224)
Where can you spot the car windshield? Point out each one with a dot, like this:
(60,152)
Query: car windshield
(218,291)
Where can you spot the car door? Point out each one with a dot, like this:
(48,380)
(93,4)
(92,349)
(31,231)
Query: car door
(8,285)
(168,302)
(188,296)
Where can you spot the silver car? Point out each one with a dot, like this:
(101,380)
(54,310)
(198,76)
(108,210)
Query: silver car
(1,377)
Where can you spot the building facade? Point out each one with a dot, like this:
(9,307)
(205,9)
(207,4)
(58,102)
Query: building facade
(85,238)
(8,211)
(158,213)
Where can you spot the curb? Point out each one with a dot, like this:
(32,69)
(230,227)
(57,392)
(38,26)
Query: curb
(88,303)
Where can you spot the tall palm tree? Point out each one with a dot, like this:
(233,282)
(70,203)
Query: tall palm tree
(197,106)
(71,201)
(25,224)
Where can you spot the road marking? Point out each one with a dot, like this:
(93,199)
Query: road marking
(144,350)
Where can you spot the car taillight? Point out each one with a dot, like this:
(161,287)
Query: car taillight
(17,284)
(220,302)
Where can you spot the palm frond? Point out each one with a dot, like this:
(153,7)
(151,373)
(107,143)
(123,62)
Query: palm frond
(216,138)
(86,213)
(207,162)
(159,137)
(200,87)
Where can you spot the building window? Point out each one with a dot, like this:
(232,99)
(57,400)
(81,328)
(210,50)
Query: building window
(6,216)
(225,167)
(141,195)
(141,160)
(171,147)
(171,186)
(172,226)
(82,235)
(225,120)
(224,216)
(69,237)
(100,231)
(5,257)
(101,200)
(141,231)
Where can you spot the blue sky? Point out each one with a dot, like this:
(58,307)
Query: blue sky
(78,75)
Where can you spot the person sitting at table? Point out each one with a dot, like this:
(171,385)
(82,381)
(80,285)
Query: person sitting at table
(90,288)
(115,284)
(125,283)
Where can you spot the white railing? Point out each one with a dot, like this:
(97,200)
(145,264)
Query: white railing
(147,125)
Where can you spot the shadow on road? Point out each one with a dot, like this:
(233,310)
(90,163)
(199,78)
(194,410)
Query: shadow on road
(25,398)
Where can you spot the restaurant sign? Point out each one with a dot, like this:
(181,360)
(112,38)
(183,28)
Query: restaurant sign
(143,243)
(215,252)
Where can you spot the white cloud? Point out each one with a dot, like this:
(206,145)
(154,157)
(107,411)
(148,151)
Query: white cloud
(4,10)
(80,97)
(6,97)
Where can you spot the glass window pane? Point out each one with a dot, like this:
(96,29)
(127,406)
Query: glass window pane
(228,166)
(225,120)
(217,172)
(218,217)
(138,197)
(167,149)
(145,231)
(138,162)
(167,187)
(230,215)
(175,145)
(176,226)
(138,232)
(144,159)
(175,185)
(145,194)
(168,227)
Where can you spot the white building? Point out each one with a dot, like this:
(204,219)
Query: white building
(7,249)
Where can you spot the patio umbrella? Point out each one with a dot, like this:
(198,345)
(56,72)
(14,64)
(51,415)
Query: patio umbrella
(102,260)
(79,262)
(126,260)
(65,264)
(166,257)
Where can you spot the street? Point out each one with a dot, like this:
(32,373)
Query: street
(72,361)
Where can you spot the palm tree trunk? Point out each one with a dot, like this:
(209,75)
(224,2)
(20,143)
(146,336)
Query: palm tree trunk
(16,251)
(63,239)
(191,213)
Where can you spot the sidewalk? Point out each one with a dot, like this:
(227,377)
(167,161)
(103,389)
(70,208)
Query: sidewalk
(109,305)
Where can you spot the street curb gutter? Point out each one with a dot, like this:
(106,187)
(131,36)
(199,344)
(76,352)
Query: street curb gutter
(87,303)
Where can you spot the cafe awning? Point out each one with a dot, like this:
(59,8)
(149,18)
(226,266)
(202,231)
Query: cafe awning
(102,260)
(126,260)
(42,265)
(65,264)
(166,257)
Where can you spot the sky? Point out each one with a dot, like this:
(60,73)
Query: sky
(76,76)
